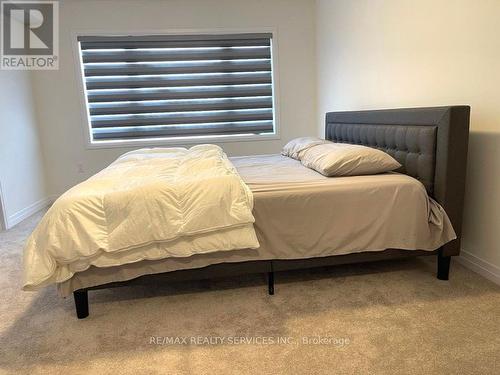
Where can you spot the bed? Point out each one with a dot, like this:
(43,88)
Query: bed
(301,216)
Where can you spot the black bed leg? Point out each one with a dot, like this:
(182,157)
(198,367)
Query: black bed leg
(81,303)
(270,282)
(443,266)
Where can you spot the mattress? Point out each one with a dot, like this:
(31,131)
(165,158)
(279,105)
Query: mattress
(300,214)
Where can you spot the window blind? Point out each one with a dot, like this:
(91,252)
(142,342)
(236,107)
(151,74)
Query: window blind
(141,87)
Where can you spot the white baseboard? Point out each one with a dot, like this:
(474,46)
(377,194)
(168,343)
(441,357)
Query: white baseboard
(3,217)
(480,266)
(26,212)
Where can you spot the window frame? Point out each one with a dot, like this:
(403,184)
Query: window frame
(173,141)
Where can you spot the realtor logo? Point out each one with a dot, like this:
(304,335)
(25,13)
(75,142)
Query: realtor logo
(29,35)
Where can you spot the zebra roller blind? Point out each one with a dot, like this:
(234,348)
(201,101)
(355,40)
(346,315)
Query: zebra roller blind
(142,87)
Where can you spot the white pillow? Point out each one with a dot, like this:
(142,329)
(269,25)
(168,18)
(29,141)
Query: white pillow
(292,148)
(343,159)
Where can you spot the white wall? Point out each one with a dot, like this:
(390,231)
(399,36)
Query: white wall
(21,163)
(404,53)
(58,98)
(348,54)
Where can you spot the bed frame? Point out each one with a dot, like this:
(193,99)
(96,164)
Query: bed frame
(431,145)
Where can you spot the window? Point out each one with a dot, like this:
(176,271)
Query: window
(171,86)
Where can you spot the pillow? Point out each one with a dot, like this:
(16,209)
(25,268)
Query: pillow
(343,159)
(297,145)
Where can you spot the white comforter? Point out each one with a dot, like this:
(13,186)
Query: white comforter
(149,204)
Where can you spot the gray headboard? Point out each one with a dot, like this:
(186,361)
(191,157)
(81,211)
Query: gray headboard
(430,143)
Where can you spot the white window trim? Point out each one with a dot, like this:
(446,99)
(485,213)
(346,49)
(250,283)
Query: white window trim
(171,141)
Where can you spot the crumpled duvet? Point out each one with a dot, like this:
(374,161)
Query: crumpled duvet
(149,204)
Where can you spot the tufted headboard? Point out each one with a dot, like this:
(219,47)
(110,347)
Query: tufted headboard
(430,143)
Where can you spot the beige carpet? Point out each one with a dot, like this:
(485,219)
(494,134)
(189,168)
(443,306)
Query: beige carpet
(380,318)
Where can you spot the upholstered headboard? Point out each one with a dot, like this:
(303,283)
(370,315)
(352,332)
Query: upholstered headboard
(430,143)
